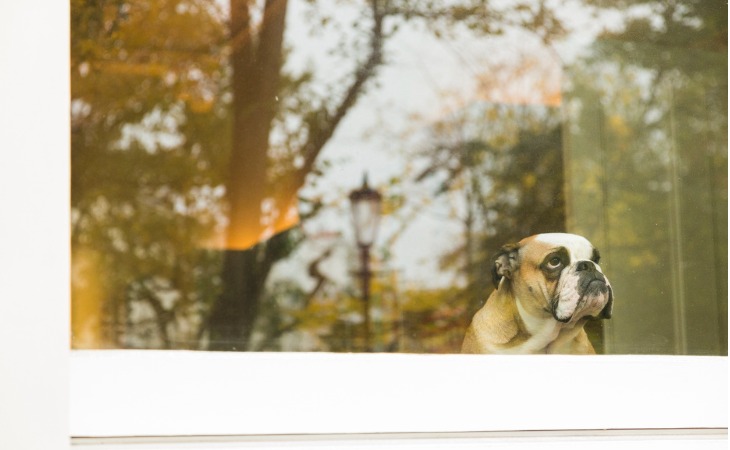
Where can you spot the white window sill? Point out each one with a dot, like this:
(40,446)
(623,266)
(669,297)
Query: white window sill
(178,393)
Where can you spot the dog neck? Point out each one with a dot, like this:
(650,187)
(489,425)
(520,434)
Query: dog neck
(539,326)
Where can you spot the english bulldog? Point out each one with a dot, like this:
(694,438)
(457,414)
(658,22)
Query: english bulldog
(548,287)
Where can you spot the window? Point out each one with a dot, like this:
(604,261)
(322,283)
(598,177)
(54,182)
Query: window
(35,339)
(212,160)
(605,145)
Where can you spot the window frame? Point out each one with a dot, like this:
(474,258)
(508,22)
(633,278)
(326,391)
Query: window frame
(386,393)
(325,393)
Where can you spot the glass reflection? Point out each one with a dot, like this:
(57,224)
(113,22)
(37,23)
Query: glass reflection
(214,145)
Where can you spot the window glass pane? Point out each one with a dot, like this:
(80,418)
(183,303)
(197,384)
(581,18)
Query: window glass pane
(220,149)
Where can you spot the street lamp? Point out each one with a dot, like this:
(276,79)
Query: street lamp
(365,203)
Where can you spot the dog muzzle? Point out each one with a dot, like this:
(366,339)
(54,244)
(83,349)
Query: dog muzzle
(582,291)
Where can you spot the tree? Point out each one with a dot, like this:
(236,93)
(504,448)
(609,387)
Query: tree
(646,174)
(650,145)
(503,165)
(193,128)
(148,113)
(257,58)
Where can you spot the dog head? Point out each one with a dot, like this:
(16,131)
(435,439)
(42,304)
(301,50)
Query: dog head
(557,273)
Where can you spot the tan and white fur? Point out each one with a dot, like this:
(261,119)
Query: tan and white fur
(548,286)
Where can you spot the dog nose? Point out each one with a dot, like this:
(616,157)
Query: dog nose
(585,266)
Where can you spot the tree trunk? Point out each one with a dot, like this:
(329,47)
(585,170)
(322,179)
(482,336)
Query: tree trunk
(233,315)
(256,60)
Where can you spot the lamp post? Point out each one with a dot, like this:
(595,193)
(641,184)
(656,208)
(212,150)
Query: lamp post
(365,203)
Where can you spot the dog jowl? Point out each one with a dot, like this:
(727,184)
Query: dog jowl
(548,287)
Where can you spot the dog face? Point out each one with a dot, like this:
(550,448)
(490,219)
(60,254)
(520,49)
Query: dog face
(557,273)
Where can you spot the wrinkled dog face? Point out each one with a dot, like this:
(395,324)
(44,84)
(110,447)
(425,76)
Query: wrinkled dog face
(582,291)
(561,273)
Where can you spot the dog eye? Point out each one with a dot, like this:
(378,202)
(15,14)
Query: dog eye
(554,263)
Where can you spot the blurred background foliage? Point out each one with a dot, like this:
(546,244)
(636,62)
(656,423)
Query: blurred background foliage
(198,141)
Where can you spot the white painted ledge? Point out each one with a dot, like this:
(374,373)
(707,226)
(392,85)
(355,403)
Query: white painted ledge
(176,393)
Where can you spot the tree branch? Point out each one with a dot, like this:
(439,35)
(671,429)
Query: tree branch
(321,280)
(324,123)
(162,316)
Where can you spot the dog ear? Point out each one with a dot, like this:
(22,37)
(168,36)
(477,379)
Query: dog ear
(505,263)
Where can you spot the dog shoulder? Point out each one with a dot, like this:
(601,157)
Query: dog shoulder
(493,325)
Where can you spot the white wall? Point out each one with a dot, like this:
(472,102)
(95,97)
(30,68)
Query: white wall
(34,258)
